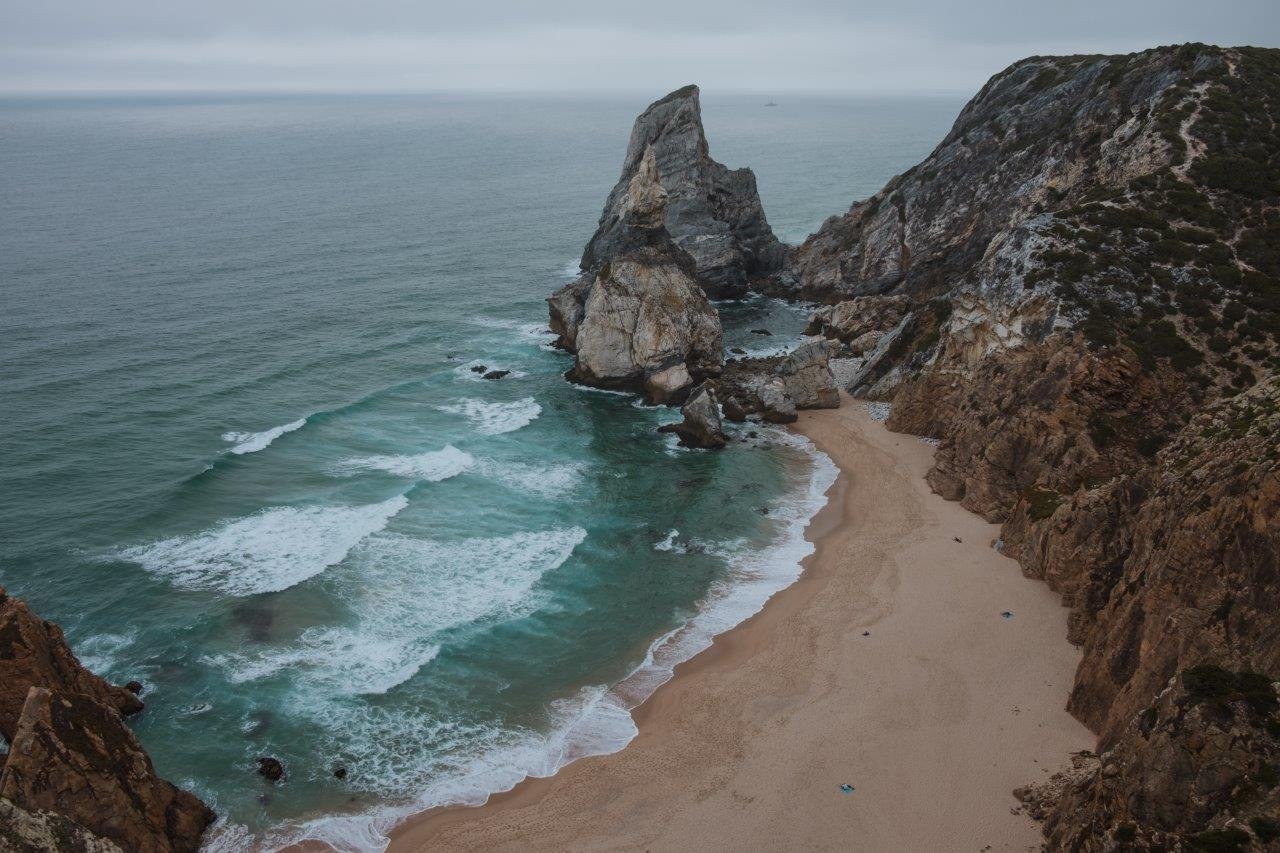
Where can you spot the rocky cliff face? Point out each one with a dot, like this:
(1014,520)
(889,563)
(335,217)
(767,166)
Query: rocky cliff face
(712,213)
(1078,293)
(33,652)
(75,777)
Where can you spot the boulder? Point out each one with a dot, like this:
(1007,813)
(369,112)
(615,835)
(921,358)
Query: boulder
(270,768)
(701,426)
(73,754)
(853,319)
(733,410)
(776,406)
(710,212)
(806,375)
(647,326)
(34,652)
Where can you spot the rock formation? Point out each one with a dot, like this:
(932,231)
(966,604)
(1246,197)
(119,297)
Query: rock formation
(74,773)
(74,755)
(640,321)
(806,376)
(711,213)
(34,652)
(775,387)
(1078,293)
(701,426)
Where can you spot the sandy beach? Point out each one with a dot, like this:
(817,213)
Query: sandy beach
(888,667)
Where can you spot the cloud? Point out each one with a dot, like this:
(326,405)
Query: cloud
(575,45)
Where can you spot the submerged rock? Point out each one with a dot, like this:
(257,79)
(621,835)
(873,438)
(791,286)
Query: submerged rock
(73,755)
(713,214)
(34,653)
(270,768)
(701,426)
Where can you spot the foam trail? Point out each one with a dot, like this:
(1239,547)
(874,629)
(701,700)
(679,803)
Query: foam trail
(466,372)
(496,418)
(252,442)
(432,466)
(405,592)
(538,332)
(671,543)
(548,481)
(265,552)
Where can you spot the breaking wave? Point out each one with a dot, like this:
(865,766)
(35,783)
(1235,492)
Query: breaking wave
(268,551)
(252,442)
(496,418)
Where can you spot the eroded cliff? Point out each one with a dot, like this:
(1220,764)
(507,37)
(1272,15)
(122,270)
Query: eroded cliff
(1078,294)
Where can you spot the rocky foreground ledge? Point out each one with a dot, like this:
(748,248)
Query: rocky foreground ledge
(1077,294)
(74,777)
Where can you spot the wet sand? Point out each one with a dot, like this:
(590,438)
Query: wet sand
(888,666)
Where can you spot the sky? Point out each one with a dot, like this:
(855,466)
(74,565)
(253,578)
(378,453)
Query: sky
(581,45)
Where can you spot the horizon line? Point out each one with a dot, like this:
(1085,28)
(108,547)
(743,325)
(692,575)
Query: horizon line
(72,93)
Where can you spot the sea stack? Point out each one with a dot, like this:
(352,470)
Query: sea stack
(712,213)
(639,320)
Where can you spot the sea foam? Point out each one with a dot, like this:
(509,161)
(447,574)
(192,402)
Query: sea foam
(403,593)
(265,552)
(597,720)
(496,418)
(252,442)
(432,466)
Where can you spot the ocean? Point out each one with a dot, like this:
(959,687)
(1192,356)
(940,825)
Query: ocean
(245,458)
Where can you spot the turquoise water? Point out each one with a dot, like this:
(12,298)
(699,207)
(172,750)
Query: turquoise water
(245,459)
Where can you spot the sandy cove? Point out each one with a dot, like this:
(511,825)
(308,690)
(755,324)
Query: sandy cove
(888,666)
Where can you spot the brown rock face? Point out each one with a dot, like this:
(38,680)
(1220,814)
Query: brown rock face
(34,652)
(74,755)
(1194,771)
(23,831)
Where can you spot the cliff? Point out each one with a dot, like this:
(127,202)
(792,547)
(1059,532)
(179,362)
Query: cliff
(1078,293)
(74,776)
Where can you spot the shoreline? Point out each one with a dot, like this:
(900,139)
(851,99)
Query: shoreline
(763,713)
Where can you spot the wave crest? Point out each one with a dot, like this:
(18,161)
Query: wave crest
(252,442)
(268,551)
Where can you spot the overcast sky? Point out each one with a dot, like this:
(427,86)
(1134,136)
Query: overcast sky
(642,45)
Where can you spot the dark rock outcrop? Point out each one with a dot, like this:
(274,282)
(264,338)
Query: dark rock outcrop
(270,768)
(73,755)
(34,653)
(713,214)
(701,425)
(1196,770)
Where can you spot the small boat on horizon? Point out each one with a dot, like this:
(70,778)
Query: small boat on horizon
(771,104)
